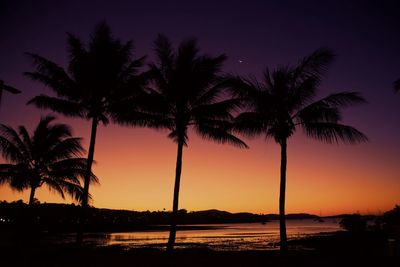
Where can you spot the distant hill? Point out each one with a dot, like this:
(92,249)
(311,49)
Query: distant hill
(293,216)
(63,217)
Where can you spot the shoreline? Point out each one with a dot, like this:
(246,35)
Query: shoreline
(153,227)
(338,249)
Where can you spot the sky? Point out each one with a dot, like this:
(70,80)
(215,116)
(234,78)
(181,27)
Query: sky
(136,166)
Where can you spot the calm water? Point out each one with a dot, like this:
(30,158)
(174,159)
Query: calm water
(243,236)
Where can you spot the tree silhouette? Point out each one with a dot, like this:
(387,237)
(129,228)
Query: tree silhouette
(99,75)
(49,156)
(187,92)
(285,101)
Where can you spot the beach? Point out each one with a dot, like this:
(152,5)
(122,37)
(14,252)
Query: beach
(61,256)
(340,248)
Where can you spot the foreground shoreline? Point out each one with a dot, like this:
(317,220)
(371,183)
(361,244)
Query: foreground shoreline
(337,249)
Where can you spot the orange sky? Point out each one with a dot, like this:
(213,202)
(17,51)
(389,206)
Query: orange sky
(136,169)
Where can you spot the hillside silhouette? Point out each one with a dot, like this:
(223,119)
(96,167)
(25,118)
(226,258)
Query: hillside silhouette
(64,218)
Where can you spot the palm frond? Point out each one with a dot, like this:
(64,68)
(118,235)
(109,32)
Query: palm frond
(218,110)
(51,75)
(212,93)
(143,119)
(327,109)
(15,175)
(6,173)
(164,53)
(11,89)
(146,109)
(250,124)
(303,93)
(72,169)
(65,149)
(55,186)
(23,132)
(131,69)
(11,146)
(75,46)
(344,99)
(244,88)
(318,112)
(315,64)
(333,132)
(219,135)
(74,190)
(204,75)
(65,107)
(186,53)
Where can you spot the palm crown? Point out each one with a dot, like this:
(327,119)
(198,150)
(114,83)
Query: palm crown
(187,91)
(285,100)
(49,156)
(98,77)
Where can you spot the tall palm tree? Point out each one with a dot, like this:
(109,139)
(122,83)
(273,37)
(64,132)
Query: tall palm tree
(7,88)
(99,75)
(187,92)
(285,101)
(49,156)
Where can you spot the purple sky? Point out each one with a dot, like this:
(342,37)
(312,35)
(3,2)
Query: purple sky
(364,35)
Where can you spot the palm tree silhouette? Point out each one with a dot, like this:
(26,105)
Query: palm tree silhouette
(99,75)
(285,101)
(187,92)
(7,88)
(49,156)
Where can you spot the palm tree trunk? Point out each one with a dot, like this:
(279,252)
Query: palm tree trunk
(32,195)
(85,197)
(174,215)
(282,192)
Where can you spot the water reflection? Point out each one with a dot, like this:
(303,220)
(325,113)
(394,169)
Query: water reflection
(244,236)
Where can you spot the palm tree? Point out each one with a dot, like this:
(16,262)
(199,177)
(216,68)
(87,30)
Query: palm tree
(7,88)
(99,75)
(49,156)
(285,101)
(187,92)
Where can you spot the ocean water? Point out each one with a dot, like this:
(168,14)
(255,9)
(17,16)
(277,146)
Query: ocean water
(240,236)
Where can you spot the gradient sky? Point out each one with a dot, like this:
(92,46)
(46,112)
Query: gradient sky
(136,166)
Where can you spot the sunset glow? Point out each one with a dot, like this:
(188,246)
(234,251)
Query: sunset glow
(137,174)
(136,166)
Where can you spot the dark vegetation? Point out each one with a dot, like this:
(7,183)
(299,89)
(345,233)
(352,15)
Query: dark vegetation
(368,247)
(18,215)
(63,218)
